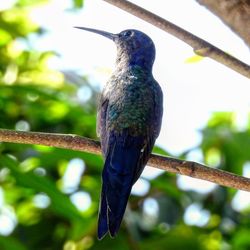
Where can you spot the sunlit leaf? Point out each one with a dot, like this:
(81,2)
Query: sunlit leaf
(48,77)
(25,3)
(30,164)
(194,59)
(18,22)
(5,37)
(14,49)
(57,110)
(78,3)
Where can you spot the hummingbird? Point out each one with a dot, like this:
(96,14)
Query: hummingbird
(128,122)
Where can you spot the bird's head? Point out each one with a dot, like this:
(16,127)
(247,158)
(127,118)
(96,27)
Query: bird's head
(133,47)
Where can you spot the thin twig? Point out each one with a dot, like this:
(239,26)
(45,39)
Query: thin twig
(200,46)
(75,142)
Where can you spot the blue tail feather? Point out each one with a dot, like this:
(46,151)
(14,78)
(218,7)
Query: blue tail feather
(103,219)
(120,168)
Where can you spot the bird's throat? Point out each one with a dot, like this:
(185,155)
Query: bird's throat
(124,61)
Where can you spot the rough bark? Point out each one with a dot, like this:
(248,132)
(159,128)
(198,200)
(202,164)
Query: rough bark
(75,142)
(234,13)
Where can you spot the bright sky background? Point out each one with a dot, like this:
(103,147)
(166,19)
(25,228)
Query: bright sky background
(192,92)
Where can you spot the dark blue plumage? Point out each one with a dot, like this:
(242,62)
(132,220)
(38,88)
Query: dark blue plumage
(129,121)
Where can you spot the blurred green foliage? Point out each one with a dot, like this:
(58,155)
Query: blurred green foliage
(38,207)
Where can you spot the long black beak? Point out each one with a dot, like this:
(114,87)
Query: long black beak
(100,32)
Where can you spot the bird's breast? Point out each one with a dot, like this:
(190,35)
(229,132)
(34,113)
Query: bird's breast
(131,101)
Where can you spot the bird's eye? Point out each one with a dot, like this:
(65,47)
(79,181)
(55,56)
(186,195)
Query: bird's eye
(127,33)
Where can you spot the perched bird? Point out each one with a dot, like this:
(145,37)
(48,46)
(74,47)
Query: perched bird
(129,121)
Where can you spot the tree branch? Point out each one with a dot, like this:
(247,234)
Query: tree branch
(234,13)
(200,46)
(75,142)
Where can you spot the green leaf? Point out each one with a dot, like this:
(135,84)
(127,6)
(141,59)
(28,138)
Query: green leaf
(179,238)
(60,203)
(78,3)
(160,151)
(11,243)
(241,239)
